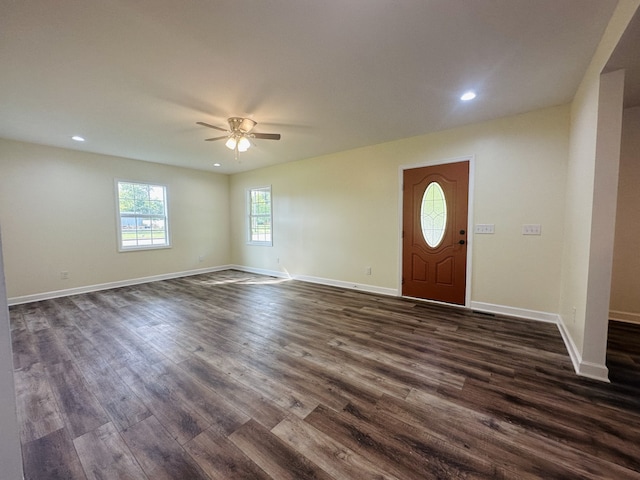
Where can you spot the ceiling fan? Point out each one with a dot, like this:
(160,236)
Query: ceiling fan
(239,134)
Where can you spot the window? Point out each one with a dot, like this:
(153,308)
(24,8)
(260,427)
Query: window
(142,216)
(433,214)
(259,209)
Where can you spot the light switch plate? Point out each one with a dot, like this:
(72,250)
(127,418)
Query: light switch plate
(484,228)
(532,229)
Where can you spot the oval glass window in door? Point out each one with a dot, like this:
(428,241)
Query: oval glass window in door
(433,214)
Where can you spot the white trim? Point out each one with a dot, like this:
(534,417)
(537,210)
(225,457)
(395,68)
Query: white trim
(471,190)
(348,285)
(260,271)
(516,312)
(470,221)
(582,368)
(628,317)
(363,287)
(594,371)
(434,302)
(248,230)
(106,286)
(137,248)
(569,344)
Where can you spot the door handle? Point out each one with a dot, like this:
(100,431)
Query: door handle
(461,242)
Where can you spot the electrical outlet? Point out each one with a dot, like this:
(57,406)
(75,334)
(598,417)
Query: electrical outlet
(200,258)
(367,271)
(485,228)
(532,229)
(64,275)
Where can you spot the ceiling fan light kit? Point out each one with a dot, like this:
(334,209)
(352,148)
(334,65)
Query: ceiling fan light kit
(239,134)
(231,143)
(243,144)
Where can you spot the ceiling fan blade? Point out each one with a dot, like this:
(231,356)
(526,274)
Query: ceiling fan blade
(212,126)
(266,136)
(215,138)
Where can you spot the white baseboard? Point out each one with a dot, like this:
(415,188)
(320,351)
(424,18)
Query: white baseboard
(260,271)
(515,312)
(583,368)
(594,371)
(363,287)
(628,317)
(105,286)
(570,345)
(349,285)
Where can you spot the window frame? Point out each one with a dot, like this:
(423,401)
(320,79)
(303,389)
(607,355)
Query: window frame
(250,216)
(134,248)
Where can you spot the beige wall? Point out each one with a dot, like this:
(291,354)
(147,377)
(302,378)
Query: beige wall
(586,265)
(337,214)
(625,286)
(57,211)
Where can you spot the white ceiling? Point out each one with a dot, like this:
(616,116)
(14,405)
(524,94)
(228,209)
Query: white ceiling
(134,76)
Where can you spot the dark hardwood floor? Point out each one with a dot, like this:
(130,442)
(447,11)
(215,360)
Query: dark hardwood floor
(238,376)
(623,353)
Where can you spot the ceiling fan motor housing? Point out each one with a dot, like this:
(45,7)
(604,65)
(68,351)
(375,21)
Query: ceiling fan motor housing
(242,125)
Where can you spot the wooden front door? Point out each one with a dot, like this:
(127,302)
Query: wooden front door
(434,237)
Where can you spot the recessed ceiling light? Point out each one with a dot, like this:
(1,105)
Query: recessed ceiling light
(468,96)
(77,138)
(216,165)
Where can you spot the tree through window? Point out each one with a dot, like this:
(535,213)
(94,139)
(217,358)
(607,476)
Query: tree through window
(259,208)
(142,216)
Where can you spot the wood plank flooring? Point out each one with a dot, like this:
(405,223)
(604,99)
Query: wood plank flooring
(231,375)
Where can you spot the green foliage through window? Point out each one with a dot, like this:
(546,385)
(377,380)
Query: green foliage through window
(259,207)
(142,211)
